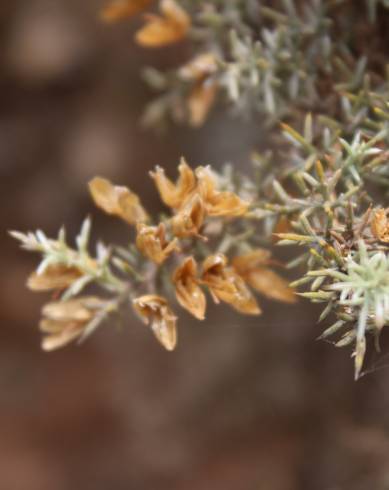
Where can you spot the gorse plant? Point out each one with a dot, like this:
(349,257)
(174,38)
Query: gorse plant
(323,93)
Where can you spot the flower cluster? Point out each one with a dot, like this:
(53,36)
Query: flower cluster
(322,184)
(177,252)
(171,246)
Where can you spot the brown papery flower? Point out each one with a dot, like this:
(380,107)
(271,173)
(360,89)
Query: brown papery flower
(380,225)
(154,311)
(175,195)
(218,203)
(226,285)
(252,267)
(123,9)
(188,292)
(56,276)
(151,241)
(188,221)
(64,321)
(161,30)
(117,200)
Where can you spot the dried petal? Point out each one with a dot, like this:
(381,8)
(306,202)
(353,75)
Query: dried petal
(380,226)
(218,203)
(200,101)
(53,277)
(64,321)
(251,260)
(151,241)
(188,292)
(62,338)
(189,220)
(122,9)
(360,351)
(154,311)
(168,28)
(283,225)
(199,67)
(270,284)
(226,285)
(174,195)
(117,200)
(251,267)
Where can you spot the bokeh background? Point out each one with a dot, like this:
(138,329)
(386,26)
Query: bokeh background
(242,404)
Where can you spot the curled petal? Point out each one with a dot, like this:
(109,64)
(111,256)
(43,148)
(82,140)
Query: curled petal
(188,292)
(154,311)
(219,203)
(243,300)
(151,241)
(160,30)
(117,200)
(53,277)
(174,195)
(226,285)
(189,220)
(123,9)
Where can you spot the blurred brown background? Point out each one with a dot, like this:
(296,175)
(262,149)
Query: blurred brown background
(242,404)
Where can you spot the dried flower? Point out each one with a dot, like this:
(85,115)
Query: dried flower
(168,28)
(151,241)
(64,321)
(117,200)
(200,101)
(218,203)
(188,292)
(56,276)
(154,311)
(189,220)
(122,9)
(380,225)
(226,285)
(174,195)
(252,267)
